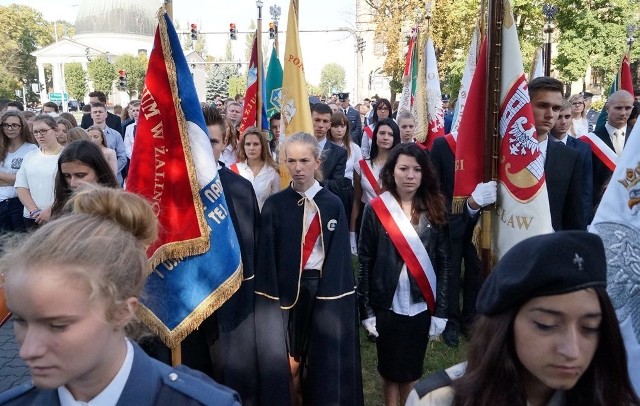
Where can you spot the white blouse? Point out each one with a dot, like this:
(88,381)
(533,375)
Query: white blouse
(352,160)
(265,183)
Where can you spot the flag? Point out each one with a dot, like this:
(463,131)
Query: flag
(273,84)
(617,221)
(409,76)
(467,75)
(195,264)
(522,207)
(429,126)
(296,115)
(537,69)
(249,112)
(622,81)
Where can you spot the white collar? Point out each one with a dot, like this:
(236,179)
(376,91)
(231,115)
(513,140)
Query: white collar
(563,140)
(322,143)
(611,129)
(311,192)
(109,395)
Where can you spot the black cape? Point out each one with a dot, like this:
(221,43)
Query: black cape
(333,371)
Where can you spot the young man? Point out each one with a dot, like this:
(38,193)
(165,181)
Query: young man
(560,132)
(562,166)
(112,120)
(112,137)
(130,133)
(355,124)
(609,140)
(50,108)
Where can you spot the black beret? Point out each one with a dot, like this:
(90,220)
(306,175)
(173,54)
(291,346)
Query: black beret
(586,95)
(343,96)
(544,265)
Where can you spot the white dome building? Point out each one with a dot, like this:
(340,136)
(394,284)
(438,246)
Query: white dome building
(109,28)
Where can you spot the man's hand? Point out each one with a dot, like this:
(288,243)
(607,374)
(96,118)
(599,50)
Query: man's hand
(483,195)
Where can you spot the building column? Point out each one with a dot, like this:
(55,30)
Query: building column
(42,82)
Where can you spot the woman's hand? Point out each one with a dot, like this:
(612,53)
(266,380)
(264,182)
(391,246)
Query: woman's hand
(43,216)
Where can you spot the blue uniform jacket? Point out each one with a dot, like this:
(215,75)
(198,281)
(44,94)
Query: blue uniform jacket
(150,383)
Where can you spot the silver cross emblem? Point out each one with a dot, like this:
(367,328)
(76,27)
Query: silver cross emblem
(578,260)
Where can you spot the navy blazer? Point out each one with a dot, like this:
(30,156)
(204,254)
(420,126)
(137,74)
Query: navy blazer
(334,163)
(150,383)
(355,125)
(587,175)
(563,173)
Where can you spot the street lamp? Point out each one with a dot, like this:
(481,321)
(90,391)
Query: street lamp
(631,29)
(549,11)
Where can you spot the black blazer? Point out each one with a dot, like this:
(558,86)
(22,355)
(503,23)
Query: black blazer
(601,174)
(563,172)
(587,175)
(334,162)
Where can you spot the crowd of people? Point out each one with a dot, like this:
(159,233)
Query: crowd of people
(541,328)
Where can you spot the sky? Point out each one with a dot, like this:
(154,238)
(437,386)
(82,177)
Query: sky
(318,48)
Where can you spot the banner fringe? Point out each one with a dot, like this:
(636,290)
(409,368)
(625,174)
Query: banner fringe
(458,204)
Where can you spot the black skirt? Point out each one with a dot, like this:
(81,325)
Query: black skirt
(402,345)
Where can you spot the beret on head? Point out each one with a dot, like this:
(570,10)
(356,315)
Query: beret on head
(544,265)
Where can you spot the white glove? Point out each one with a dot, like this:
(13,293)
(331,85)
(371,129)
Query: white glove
(437,326)
(485,193)
(370,325)
(354,243)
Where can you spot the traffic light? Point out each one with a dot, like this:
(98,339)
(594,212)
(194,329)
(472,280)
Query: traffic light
(233,33)
(272,30)
(122,81)
(194,32)
(361,44)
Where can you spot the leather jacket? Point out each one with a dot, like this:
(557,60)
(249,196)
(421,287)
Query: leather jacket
(381,264)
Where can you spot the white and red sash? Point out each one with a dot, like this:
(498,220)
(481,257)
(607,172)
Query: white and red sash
(310,238)
(600,149)
(235,168)
(369,131)
(408,243)
(369,180)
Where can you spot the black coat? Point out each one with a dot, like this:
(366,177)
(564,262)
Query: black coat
(333,371)
(563,173)
(355,125)
(587,175)
(334,163)
(381,263)
(601,173)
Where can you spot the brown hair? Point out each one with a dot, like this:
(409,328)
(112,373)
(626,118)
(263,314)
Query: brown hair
(265,152)
(428,198)
(95,128)
(25,132)
(339,118)
(76,134)
(102,242)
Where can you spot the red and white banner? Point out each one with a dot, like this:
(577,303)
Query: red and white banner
(370,185)
(435,113)
(465,85)
(249,114)
(408,244)
(600,149)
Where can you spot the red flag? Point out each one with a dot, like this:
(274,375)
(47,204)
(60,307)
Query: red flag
(470,141)
(625,80)
(250,114)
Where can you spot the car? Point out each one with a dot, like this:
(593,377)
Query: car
(73,105)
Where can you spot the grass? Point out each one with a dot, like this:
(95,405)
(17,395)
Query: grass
(439,356)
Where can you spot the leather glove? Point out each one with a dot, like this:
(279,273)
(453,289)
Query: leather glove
(485,193)
(370,325)
(437,326)
(354,243)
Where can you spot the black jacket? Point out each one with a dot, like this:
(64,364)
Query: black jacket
(380,264)
(563,172)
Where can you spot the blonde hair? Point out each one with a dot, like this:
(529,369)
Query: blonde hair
(77,133)
(101,131)
(102,242)
(576,97)
(311,141)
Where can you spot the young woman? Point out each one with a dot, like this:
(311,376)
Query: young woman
(404,244)
(36,176)
(547,332)
(63,128)
(81,162)
(580,122)
(73,295)
(77,133)
(230,153)
(381,111)
(304,239)
(98,138)
(16,141)
(256,164)
(407,124)
(366,172)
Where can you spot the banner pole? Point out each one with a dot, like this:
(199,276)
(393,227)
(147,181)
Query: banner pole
(260,71)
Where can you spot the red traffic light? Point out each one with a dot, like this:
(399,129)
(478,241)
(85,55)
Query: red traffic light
(122,72)
(194,26)
(232,26)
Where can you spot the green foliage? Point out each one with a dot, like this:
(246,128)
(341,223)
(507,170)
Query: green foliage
(218,78)
(102,73)
(23,30)
(332,79)
(75,80)
(237,85)
(313,90)
(136,67)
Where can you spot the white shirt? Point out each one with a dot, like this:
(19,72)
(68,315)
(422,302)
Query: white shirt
(352,160)
(365,145)
(38,174)
(321,144)
(580,126)
(316,259)
(368,194)
(109,395)
(542,146)
(265,183)
(129,137)
(11,164)
(563,140)
(617,141)
(229,156)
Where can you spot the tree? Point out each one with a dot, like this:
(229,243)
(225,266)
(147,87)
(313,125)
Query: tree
(102,73)
(332,78)
(23,30)
(313,90)
(75,80)
(237,85)
(218,79)
(136,67)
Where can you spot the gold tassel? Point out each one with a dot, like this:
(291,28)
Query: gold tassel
(458,205)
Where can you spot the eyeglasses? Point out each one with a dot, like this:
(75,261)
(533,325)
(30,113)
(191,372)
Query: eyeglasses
(7,126)
(41,132)
(577,103)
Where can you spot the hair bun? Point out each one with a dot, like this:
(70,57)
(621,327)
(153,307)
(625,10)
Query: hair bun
(130,211)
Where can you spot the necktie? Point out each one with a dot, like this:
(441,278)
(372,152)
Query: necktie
(619,141)
(346,112)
